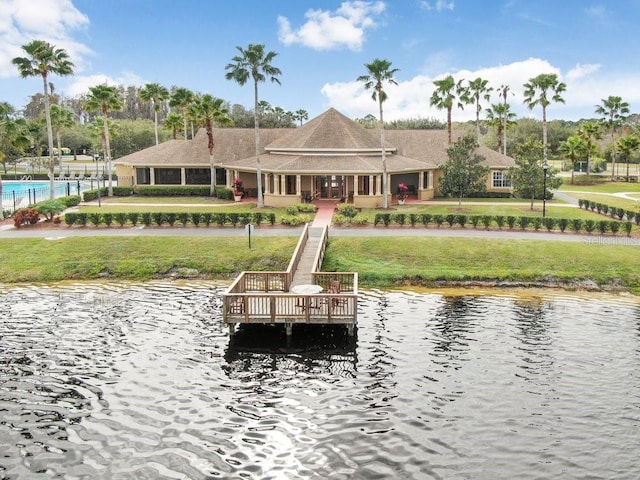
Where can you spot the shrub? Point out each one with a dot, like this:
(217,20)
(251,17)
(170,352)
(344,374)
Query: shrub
(360,220)
(475,219)
(90,195)
(82,219)
(272,218)
(620,213)
(71,200)
(605,209)
(603,226)
(147,218)
(628,226)
(207,218)
(581,202)
(133,218)
(171,218)
(234,218)
(629,214)
(172,191)
(345,209)
(120,218)
(486,221)
(220,218)
(295,220)
(222,193)
(523,222)
(637,218)
(50,208)
(196,218)
(426,218)
(26,216)
(589,226)
(576,224)
(183,218)
(95,218)
(537,223)
(107,219)
(592,205)
(500,221)
(462,220)
(340,219)
(563,223)
(400,218)
(614,227)
(599,207)
(384,218)
(450,219)
(511,221)
(70,218)
(439,220)
(158,218)
(549,223)
(413,219)
(258,217)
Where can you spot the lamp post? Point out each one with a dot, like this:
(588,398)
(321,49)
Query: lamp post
(545,167)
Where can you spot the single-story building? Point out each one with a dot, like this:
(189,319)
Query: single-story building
(331,156)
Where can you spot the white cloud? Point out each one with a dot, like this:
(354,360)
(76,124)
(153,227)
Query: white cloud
(326,30)
(410,98)
(438,5)
(51,20)
(80,84)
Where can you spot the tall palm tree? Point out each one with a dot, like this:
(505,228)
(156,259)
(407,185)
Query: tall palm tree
(476,91)
(61,118)
(173,122)
(380,72)
(301,115)
(627,145)
(45,59)
(207,112)
(256,64)
(104,99)
(589,132)
(574,149)
(181,98)
(501,118)
(537,91)
(447,92)
(613,111)
(156,95)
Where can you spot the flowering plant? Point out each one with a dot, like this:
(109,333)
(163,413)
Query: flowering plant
(402,191)
(237,187)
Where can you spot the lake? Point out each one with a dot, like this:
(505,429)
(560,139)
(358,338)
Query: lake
(119,380)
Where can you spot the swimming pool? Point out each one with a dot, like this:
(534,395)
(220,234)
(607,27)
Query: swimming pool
(18,194)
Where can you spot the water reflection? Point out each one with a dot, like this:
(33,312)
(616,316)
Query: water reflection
(142,381)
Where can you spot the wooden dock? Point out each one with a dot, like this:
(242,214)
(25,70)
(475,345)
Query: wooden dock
(271,298)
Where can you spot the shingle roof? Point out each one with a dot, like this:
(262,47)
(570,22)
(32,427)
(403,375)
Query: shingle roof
(330,143)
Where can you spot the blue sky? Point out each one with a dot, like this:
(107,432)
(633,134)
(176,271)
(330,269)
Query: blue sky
(323,45)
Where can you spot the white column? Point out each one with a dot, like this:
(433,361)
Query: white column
(378,184)
(230,177)
(183,176)
(298,185)
(370,184)
(152,176)
(355,185)
(276,184)
(421,180)
(265,184)
(283,184)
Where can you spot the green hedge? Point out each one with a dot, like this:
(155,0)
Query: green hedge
(170,218)
(172,191)
(511,222)
(613,212)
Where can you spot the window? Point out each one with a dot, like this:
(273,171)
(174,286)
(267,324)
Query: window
(501,180)
(425,179)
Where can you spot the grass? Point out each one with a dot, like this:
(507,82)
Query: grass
(608,187)
(383,262)
(138,258)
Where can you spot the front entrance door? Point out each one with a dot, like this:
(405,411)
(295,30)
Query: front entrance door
(334,186)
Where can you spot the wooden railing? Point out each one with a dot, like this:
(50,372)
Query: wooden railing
(322,246)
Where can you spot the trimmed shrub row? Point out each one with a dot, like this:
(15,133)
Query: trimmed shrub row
(576,225)
(613,212)
(169,218)
(174,191)
(89,195)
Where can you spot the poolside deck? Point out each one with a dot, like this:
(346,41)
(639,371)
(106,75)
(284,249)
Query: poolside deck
(267,297)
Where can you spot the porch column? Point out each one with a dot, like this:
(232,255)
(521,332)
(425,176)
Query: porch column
(183,176)
(421,180)
(298,185)
(283,184)
(265,184)
(371,185)
(355,185)
(229,178)
(378,184)
(152,176)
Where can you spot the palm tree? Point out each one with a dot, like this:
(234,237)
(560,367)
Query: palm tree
(476,91)
(589,132)
(574,149)
(104,99)
(301,115)
(61,118)
(627,145)
(501,118)
(536,92)
(378,72)
(444,97)
(207,111)
(181,98)
(155,94)
(44,59)
(256,64)
(614,111)
(173,122)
